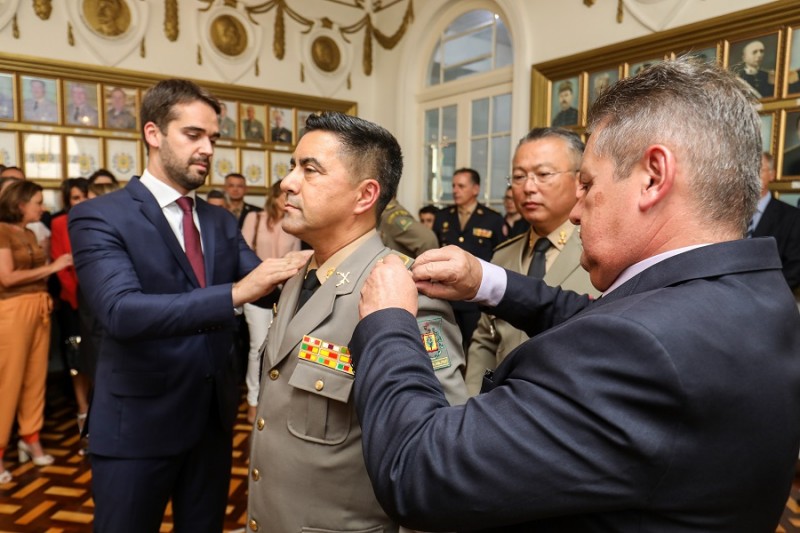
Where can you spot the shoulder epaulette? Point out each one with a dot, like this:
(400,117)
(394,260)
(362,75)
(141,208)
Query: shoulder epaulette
(510,241)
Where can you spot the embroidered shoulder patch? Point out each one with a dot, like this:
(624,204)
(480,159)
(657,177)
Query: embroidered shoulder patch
(430,329)
(326,354)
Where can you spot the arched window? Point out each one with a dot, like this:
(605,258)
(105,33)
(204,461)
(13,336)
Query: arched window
(466,106)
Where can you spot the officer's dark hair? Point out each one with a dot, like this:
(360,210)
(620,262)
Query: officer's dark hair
(235,175)
(215,193)
(158,104)
(102,173)
(572,139)
(430,209)
(473,174)
(372,151)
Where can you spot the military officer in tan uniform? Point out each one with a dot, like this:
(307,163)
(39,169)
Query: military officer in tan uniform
(307,469)
(543,182)
(402,232)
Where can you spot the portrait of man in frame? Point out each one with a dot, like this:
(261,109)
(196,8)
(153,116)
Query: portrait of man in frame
(753,61)
(600,81)
(39,97)
(564,102)
(227,119)
(120,108)
(6,96)
(81,109)
(793,62)
(791,144)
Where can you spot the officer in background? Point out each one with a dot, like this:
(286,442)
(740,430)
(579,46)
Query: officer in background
(402,232)
(542,184)
(473,227)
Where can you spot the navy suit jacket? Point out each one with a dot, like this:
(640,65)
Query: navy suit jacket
(166,351)
(669,405)
(782,221)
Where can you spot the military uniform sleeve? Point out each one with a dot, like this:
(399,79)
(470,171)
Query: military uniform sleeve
(482,353)
(441,340)
(414,236)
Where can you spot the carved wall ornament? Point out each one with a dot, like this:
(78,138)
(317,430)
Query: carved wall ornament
(325,53)
(43,8)
(655,15)
(171,19)
(109,18)
(228,35)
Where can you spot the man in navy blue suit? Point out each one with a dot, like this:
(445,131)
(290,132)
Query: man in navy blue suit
(670,404)
(163,272)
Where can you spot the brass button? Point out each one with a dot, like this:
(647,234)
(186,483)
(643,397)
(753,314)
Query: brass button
(461,239)
(253,525)
(319,385)
(260,424)
(256,474)
(274,374)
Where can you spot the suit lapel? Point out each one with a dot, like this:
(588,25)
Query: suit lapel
(152,212)
(207,229)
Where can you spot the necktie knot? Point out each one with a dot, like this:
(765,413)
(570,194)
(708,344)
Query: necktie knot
(185,203)
(541,245)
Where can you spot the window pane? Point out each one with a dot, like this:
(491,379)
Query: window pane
(501,166)
(479,160)
(469,21)
(448,167)
(501,118)
(484,65)
(435,67)
(449,122)
(432,125)
(480,117)
(467,47)
(503,51)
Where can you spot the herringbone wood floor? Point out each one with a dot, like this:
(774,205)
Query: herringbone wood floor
(57,498)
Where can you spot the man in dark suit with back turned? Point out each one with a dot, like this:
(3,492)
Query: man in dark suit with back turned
(670,404)
(165,292)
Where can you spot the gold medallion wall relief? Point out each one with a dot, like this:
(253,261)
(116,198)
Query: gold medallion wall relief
(109,18)
(228,35)
(326,54)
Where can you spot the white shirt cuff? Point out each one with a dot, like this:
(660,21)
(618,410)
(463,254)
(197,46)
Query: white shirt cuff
(493,285)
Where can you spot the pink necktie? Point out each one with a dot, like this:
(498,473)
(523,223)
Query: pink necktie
(191,240)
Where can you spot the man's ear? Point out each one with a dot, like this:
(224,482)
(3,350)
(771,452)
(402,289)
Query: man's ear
(152,135)
(659,175)
(368,192)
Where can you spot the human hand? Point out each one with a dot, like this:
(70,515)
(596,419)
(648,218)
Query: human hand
(388,285)
(62,262)
(268,275)
(448,273)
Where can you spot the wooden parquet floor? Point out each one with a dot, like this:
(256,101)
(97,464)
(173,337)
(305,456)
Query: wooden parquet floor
(57,498)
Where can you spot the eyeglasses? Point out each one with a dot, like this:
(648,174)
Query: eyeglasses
(539,178)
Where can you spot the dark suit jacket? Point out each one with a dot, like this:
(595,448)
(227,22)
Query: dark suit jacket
(782,221)
(656,408)
(166,352)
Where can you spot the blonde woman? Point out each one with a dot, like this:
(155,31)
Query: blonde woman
(262,231)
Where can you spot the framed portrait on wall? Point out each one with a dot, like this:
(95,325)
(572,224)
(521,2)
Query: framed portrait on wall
(227,119)
(39,97)
(122,158)
(278,166)
(42,156)
(8,149)
(253,120)
(83,155)
(280,124)
(254,168)
(7,96)
(753,61)
(793,62)
(708,54)
(601,80)
(121,108)
(302,116)
(635,68)
(565,95)
(767,129)
(224,163)
(790,158)
(81,105)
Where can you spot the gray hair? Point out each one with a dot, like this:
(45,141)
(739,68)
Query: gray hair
(704,116)
(574,143)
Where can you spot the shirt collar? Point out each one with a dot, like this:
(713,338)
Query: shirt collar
(328,268)
(164,194)
(641,266)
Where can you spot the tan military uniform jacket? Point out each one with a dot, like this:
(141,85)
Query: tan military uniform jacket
(402,232)
(307,470)
(494,339)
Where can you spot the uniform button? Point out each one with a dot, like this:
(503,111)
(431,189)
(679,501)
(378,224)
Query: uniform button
(256,474)
(274,374)
(319,385)
(253,525)
(461,239)
(260,423)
